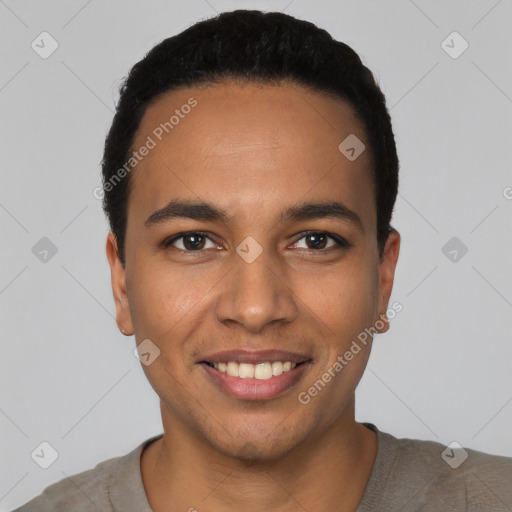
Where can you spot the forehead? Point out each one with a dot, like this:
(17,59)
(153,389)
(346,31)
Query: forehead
(249,148)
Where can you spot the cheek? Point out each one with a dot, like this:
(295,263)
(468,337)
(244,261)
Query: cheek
(343,299)
(161,300)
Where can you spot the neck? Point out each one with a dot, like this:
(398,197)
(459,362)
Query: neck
(329,472)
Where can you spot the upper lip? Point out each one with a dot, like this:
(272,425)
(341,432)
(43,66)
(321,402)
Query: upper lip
(254,357)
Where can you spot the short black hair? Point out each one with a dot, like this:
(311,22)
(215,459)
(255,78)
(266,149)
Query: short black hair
(259,47)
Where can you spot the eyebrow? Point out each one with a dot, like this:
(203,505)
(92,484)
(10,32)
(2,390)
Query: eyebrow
(179,208)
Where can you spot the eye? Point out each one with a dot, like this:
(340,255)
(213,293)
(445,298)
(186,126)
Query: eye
(315,241)
(318,241)
(190,241)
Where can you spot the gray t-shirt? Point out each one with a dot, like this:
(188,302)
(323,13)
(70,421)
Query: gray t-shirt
(408,475)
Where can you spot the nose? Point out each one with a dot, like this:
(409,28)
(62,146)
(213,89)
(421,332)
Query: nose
(255,295)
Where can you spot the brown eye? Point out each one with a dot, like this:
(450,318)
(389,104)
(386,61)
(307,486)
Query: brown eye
(319,241)
(316,241)
(193,241)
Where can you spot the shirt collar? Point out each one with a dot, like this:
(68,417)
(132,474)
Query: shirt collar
(126,490)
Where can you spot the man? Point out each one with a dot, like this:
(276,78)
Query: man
(249,178)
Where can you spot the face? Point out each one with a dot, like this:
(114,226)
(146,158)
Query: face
(251,276)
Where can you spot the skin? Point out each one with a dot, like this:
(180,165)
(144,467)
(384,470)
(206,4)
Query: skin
(253,151)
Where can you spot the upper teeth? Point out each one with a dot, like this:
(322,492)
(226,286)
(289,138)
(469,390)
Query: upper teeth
(255,371)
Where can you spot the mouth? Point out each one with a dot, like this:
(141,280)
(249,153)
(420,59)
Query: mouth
(262,371)
(254,376)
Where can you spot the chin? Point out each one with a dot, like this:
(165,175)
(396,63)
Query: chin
(263,445)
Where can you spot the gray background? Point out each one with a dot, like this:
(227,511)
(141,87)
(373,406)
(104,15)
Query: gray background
(442,372)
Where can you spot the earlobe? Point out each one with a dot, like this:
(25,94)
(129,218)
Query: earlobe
(382,324)
(118,281)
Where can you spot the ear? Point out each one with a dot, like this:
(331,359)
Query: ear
(118,279)
(387,275)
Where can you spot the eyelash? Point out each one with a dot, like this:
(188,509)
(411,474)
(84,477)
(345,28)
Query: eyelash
(340,242)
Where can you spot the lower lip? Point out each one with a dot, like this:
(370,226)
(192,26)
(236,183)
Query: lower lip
(256,389)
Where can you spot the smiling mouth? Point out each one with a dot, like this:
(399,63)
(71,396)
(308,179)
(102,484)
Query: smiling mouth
(255,375)
(262,371)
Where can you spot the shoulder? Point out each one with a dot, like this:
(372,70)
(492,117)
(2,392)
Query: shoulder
(101,488)
(82,491)
(452,477)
